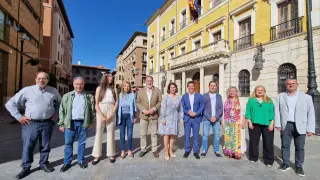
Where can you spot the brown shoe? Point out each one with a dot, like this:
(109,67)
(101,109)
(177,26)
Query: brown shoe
(156,154)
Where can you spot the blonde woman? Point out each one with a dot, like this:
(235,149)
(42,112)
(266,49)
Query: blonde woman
(126,118)
(260,117)
(233,125)
(106,103)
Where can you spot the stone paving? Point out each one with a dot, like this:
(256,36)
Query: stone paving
(148,167)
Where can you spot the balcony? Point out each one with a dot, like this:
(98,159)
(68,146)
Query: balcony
(152,44)
(162,68)
(151,71)
(204,52)
(183,23)
(286,29)
(215,3)
(163,38)
(172,31)
(243,43)
(144,72)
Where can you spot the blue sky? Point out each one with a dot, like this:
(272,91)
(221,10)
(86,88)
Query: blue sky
(102,27)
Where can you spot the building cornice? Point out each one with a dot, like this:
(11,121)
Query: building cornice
(196,33)
(216,22)
(159,11)
(244,7)
(65,17)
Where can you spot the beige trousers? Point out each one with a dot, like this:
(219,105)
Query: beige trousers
(152,127)
(106,110)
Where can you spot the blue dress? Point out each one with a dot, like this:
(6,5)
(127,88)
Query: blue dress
(172,112)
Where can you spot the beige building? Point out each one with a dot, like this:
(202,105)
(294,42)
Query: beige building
(17,16)
(132,61)
(91,74)
(56,51)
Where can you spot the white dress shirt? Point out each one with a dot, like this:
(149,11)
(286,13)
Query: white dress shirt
(213,103)
(191,99)
(292,101)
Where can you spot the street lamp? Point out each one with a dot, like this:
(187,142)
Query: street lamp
(23,36)
(312,83)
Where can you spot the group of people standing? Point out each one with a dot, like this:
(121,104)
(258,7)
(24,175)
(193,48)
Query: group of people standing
(292,114)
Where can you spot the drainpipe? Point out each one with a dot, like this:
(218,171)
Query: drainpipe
(17,50)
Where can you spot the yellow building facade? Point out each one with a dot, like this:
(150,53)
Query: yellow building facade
(240,43)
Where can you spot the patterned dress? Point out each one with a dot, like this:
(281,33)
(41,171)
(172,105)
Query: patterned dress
(232,136)
(172,112)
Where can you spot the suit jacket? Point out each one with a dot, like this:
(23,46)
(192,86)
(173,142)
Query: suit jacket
(198,107)
(304,116)
(207,113)
(155,103)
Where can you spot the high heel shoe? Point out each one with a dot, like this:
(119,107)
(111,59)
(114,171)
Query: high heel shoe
(167,158)
(112,160)
(173,155)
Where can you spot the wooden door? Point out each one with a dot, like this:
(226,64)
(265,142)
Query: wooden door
(197,86)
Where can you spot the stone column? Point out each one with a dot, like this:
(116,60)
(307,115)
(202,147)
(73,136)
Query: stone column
(221,79)
(172,77)
(201,80)
(183,83)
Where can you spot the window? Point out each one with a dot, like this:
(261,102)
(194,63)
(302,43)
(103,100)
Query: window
(171,55)
(215,3)
(285,71)
(87,71)
(217,36)
(59,23)
(94,79)
(58,55)
(87,79)
(245,38)
(183,19)
(197,44)
(172,26)
(244,82)
(2,22)
(182,50)
(62,29)
(144,56)
(77,71)
(144,42)
(59,39)
(245,28)
(288,10)
(163,34)
(152,41)
(61,57)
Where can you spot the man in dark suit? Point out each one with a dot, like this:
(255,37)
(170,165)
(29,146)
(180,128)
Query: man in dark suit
(193,106)
(211,118)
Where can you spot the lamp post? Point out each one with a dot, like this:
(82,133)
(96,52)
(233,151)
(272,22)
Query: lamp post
(23,36)
(312,83)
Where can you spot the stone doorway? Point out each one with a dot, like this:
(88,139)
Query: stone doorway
(196,81)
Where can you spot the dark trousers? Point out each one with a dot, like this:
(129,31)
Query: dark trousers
(299,140)
(126,123)
(195,126)
(267,138)
(30,135)
(69,136)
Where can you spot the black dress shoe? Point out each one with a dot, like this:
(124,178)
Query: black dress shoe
(142,153)
(83,165)
(23,173)
(65,167)
(112,160)
(45,168)
(186,154)
(95,162)
(196,155)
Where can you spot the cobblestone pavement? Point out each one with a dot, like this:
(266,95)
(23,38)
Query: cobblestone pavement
(149,167)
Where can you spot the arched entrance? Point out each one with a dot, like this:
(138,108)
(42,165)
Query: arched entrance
(285,71)
(215,78)
(196,81)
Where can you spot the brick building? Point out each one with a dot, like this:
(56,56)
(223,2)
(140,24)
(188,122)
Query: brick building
(91,74)
(132,61)
(17,16)
(56,51)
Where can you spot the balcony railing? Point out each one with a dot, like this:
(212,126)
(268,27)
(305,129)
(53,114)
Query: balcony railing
(215,3)
(183,23)
(212,48)
(144,72)
(172,31)
(162,68)
(242,43)
(286,29)
(151,71)
(151,44)
(163,37)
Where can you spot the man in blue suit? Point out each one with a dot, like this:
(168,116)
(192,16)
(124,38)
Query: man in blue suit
(211,119)
(193,106)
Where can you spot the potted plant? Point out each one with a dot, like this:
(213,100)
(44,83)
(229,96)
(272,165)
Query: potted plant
(33,62)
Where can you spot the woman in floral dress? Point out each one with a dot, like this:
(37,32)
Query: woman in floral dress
(233,125)
(171,114)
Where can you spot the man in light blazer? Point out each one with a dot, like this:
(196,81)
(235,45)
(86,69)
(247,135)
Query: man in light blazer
(295,118)
(211,119)
(193,106)
(148,102)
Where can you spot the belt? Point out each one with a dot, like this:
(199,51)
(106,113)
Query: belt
(41,120)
